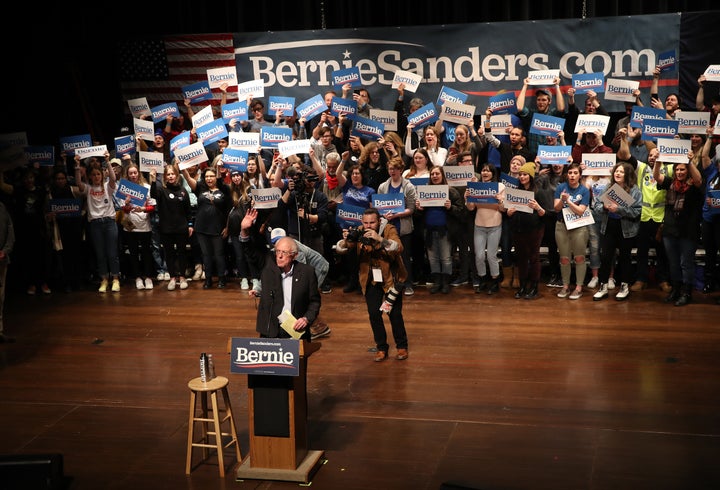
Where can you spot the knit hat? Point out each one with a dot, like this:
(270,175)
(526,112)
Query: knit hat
(519,158)
(276,234)
(528,168)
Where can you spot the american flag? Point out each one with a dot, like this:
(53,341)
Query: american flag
(158,68)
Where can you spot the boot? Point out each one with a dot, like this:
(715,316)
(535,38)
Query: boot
(445,286)
(674,294)
(208,283)
(221,282)
(533,291)
(515,280)
(482,284)
(494,285)
(685,296)
(507,273)
(520,293)
(437,283)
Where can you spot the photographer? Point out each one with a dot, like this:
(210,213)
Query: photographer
(381,269)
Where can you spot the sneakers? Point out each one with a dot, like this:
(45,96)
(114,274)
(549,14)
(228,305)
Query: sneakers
(148,283)
(115,285)
(172,284)
(638,286)
(593,282)
(611,283)
(256,285)
(554,282)
(576,294)
(409,291)
(183,283)
(244,285)
(460,281)
(198,272)
(45,289)
(31,290)
(402,354)
(601,293)
(139,283)
(563,293)
(380,356)
(665,287)
(319,330)
(103,286)
(624,291)
(325,288)
(160,276)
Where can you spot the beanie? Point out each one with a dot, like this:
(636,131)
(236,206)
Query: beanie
(528,168)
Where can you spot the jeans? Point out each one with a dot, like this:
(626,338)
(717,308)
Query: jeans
(681,256)
(104,234)
(213,252)
(487,240)
(439,254)
(374,296)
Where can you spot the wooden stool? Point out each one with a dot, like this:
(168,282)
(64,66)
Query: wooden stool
(206,418)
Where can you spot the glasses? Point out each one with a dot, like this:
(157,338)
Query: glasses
(466,160)
(284,253)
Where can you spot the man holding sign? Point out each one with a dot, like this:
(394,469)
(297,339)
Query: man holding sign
(543,98)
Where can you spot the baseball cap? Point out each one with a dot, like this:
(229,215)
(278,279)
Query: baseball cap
(115,161)
(276,234)
(235,172)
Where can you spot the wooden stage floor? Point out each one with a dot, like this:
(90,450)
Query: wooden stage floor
(497,393)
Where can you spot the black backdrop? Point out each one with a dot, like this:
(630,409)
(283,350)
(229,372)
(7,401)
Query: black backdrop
(59,71)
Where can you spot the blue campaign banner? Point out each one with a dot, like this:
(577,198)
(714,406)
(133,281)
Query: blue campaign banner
(125,145)
(180,141)
(582,82)
(504,103)
(545,125)
(639,114)
(235,159)
(448,94)
(271,136)
(277,103)
(363,127)
(554,155)
(311,107)
(482,192)
(212,132)
(137,193)
(659,128)
(69,144)
(65,208)
(423,116)
(348,75)
(348,215)
(272,357)
(509,180)
(161,112)
(667,61)
(389,203)
(44,155)
(235,110)
(197,92)
(338,106)
(416,181)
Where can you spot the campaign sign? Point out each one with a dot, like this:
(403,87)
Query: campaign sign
(554,155)
(235,110)
(410,79)
(252,88)
(518,199)
(180,141)
(639,114)
(542,77)
(211,132)
(219,76)
(389,203)
(137,193)
(598,163)
(573,221)
(458,176)
(145,130)
(456,113)
(139,107)
(148,160)
(193,154)
(161,112)
(69,144)
(249,142)
(65,208)
(13,139)
(338,106)
(416,181)
(387,118)
(351,75)
(583,82)
(545,125)
(92,151)
(125,145)
(348,215)
(618,89)
(712,73)
(667,60)
(673,150)
(498,124)
(692,122)
(714,200)
(615,193)
(448,94)
(423,116)
(273,357)
(504,103)
(197,92)
(363,127)
(482,192)
(655,128)
(202,117)
(294,147)
(509,181)
(44,156)
(272,136)
(311,107)
(284,104)
(235,159)
(589,123)
(266,198)
(432,195)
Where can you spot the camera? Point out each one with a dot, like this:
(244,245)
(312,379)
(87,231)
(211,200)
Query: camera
(358,235)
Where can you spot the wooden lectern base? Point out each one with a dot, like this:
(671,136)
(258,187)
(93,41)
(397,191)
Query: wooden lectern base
(303,473)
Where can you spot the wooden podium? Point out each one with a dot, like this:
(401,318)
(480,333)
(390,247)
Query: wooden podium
(277,410)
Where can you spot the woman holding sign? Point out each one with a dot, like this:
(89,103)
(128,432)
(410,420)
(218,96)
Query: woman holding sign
(137,231)
(618,210)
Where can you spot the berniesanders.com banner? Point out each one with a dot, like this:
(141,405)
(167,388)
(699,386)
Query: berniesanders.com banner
(477,59)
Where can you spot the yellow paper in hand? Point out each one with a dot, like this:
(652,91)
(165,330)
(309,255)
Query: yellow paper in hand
(287,320)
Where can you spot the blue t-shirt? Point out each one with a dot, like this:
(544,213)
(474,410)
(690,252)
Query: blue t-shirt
(361,197)
(579,195)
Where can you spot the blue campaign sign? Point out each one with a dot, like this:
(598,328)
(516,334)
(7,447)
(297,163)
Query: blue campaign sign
(509,180)
(137,193)
(65,208)
(125,145)
(423,116)
(235,110)
(271,136)
(639,114)
(714,200)
(348,215)
(272,357)
(69,144)
(312,107)
(448,94)
(44,155)
(347,75)
(389,203)
(367,128)
(235,159)
(212,132)
(582,82)
(482,192)
(284,104)
(338,106)
(197,92)
(180,141)
(161,112)
(554,155)
(659,128)
(667,60)
(546,125)
(504,103)
(416,181)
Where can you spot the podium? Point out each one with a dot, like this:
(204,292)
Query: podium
(277,410)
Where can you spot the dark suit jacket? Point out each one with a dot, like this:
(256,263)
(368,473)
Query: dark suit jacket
(305,300)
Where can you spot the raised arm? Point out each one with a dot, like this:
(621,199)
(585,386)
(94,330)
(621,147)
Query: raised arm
(520,101)
(190,179)
(559,95)
(700,97)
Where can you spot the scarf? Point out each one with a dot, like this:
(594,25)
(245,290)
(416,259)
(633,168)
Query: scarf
(332,181)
